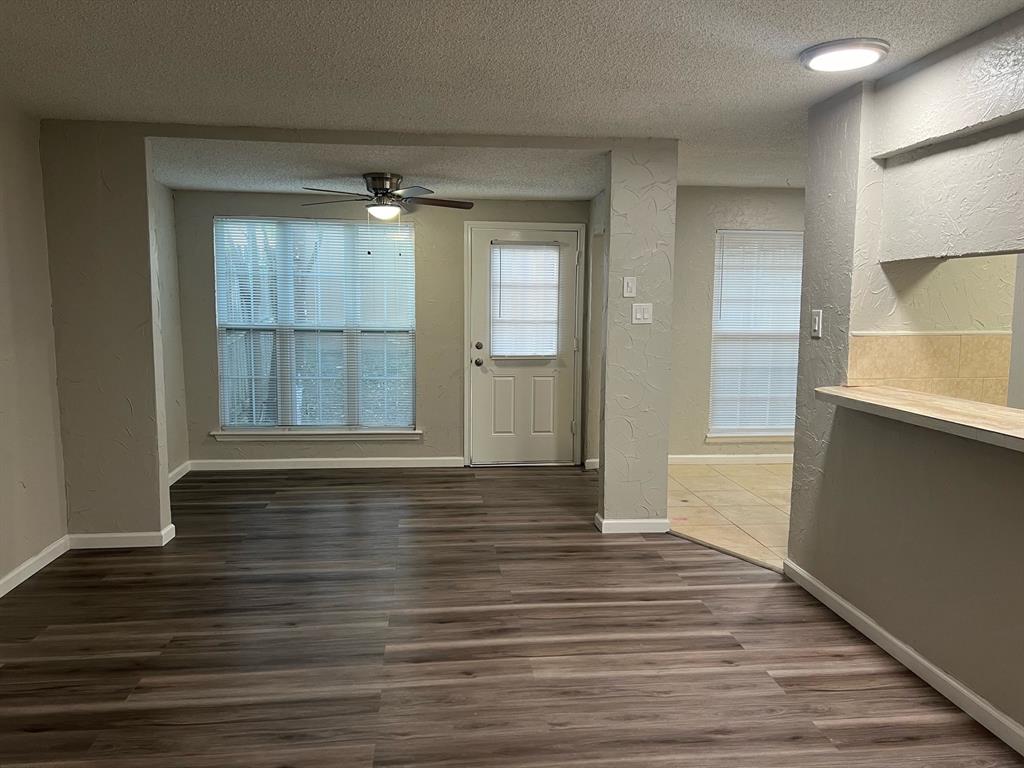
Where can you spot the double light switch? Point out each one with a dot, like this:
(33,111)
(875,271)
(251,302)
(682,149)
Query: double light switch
(642,314)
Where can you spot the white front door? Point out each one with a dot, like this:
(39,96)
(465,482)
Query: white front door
(523,348)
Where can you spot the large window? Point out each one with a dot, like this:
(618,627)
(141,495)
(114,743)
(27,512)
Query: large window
(755,332)
(315,323)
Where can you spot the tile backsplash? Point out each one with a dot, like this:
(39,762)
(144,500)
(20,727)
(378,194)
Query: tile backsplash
(972,366)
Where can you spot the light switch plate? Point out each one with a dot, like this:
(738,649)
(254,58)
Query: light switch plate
(629,287)
(816,324)
(643,314)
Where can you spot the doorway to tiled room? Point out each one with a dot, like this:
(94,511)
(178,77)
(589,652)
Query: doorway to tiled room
(741,509)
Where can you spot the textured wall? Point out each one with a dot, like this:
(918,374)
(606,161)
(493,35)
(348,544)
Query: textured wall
(970,85)
(33,511)
(829,244)
(597,289)
(169,316)
(637,376)
(700,212)
(440,356)
(949,295)
(957,199)
(95,185)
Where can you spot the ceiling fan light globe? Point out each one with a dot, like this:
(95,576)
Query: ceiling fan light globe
(384,212)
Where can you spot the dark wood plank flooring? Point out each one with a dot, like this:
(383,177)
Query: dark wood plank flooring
(443,618)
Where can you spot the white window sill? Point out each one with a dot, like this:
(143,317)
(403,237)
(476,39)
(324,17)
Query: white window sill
(306,434)
(750,439)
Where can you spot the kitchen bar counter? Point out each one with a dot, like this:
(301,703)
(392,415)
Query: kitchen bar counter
(983,422)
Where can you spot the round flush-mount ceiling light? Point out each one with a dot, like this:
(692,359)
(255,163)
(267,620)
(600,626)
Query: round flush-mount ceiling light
(844,55)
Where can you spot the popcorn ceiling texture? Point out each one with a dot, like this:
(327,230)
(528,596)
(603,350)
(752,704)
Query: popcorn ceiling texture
(505,173)
(720,76)
(638,372)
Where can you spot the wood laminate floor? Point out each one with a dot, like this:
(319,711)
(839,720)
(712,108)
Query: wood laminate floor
(443,618)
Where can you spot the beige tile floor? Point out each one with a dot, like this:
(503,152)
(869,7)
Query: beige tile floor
(738,508)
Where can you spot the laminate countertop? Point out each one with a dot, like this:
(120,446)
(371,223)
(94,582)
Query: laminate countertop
(986,423)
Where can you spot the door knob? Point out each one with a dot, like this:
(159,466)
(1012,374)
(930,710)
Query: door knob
(479,345)
(478,362)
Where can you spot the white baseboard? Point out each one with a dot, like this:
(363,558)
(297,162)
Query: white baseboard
(980,709)
(33,565)
(51,552)
(179,472)
(633,525)
(591,463)
(730,458)
(362,462)
(122,540)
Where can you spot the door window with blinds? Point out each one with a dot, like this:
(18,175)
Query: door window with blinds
(524,299)
(755,332)
(316,323)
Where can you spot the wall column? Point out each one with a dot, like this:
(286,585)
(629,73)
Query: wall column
(637,365)
(108,368)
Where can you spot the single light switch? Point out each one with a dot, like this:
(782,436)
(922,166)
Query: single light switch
(643,314)
(816,324)
(629,287)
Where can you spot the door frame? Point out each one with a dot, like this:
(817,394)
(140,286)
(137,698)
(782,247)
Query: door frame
(467,298)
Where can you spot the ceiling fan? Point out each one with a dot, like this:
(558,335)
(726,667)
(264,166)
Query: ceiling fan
(387,198)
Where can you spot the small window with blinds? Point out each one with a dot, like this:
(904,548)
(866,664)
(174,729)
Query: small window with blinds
(524,299)
(755,333)
(316,323)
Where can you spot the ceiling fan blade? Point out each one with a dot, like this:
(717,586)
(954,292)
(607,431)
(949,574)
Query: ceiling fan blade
(412,192)
(332,202)
(440,203)
(353,195)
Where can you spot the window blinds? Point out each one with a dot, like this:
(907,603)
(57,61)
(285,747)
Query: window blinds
(316,323)
(755,332)
(524,299)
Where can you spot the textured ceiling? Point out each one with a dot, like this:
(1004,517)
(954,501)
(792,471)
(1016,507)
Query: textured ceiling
(720,75)
(474,173)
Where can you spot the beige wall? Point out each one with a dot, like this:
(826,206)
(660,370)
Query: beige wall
(97,213)
(597,279)
(169,317)
(929,548)
(700,212)
(32,502)
(439,320)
